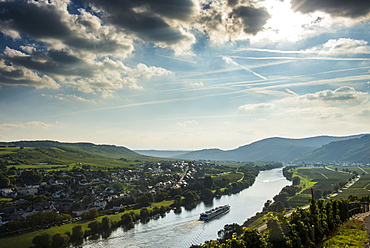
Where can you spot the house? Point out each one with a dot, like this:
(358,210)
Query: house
(100,204)
(7,192)
(109,190)
(28,191)
(118,208)
(56,194)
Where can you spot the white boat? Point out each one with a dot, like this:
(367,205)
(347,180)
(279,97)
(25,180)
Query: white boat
(214,212)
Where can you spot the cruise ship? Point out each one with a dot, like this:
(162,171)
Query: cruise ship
(214,212)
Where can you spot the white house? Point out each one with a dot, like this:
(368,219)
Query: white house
(100,204)
(118,208)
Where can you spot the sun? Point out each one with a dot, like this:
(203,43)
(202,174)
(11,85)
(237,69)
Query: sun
(284,24)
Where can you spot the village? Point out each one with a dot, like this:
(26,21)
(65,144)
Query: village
(78,190)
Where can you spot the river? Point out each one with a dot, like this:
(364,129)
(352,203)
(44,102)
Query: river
(184,229)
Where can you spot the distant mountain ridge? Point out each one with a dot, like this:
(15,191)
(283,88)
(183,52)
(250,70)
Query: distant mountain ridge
(353,148)
(270,149)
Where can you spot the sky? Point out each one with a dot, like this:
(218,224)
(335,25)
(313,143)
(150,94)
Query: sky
(184,74)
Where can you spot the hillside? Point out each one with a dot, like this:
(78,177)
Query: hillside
(109,151)
(161,153)
(353,150)
(270,149)
(53,157)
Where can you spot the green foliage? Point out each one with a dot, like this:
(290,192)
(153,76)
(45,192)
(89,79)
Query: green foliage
(208,182)
(77,233)
(143,200)
(42,240)
(106,223)
(59,240)
(95,226)
(304,228)
(4,181)
(351,234)
(30,177)
(91,215)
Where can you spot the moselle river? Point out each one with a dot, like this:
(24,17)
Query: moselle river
(184,229)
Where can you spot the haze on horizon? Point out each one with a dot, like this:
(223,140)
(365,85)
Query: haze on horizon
(183,75)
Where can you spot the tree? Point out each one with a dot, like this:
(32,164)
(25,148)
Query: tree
(296,180)
(30,177)
(95,226)
(4,181)
(208,182)
(191,197)
(42,240)
(177,200)
(206,194)
(253,239)
(127,219)
(228,231)
(143,200)
(150,197)
(93,214)
(106,223)
(59,240)
(77,233)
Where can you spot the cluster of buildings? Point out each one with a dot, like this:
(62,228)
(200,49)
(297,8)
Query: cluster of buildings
(76,191)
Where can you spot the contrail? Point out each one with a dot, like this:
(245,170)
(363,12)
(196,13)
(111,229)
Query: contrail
(291,92)
(230,61)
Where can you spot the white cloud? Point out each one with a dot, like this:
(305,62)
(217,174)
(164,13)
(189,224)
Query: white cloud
(196,85)
(341,94)
(187,123)
(19,75)
(257,107)
(63,97)
(28,125)
(342,46)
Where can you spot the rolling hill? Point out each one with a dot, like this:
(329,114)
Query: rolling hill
(270,149)
(355,150)
(109,151)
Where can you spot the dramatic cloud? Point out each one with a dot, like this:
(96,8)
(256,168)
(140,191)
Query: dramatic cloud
(147,18)
(233,21)
(18,75)
(252,18)
(344,8)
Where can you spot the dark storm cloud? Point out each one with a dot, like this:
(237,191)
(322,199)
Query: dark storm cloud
(232,3)
(344,8)
(45,21)
(50,62)
(253,19)
(32,19)
(144,18)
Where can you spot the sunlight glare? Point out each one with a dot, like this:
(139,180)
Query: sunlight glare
(284,24)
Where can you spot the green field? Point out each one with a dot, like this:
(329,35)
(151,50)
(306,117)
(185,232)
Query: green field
(232,177)
(325,179)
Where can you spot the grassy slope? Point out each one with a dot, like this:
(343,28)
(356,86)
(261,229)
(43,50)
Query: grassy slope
(61,157)
(350,234)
